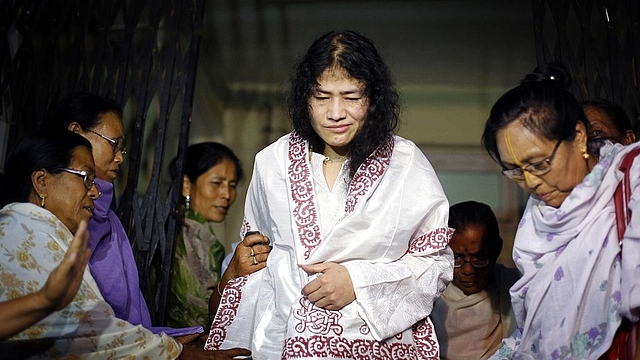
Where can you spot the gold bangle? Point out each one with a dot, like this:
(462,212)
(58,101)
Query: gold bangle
(218,289)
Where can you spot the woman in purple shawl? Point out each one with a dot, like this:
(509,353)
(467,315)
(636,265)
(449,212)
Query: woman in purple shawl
(112,263)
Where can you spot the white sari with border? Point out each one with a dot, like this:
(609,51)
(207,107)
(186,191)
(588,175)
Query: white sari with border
(392,239)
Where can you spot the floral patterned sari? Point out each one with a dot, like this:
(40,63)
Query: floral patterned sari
(32,243)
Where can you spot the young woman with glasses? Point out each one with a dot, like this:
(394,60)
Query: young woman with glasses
(577,280)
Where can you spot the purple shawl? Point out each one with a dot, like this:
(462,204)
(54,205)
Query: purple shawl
(114,269)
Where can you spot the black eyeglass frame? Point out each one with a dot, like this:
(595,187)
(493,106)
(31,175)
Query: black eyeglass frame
(115,144)
(477,262)
(517,173)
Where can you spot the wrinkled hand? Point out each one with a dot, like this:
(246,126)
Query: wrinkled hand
(64,281)
(242,263)
(190,339)
(196,353)
(333,289)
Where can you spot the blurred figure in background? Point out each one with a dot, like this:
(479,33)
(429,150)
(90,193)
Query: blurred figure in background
(474,312)
(608,120)
(212,173)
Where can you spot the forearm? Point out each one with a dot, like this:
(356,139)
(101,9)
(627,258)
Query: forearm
(394,296)
(216,295)
(18,314)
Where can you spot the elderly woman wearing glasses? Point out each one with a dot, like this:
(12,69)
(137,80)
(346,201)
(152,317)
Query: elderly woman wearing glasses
(51,178)
(50,195)
(112,263)
(474,314)
(580,279)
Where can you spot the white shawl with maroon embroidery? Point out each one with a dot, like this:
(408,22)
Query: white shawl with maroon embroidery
(392,240)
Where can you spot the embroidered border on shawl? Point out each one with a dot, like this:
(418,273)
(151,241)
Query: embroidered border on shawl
(368,173)
(304,212)
(227,311)
(245,227)
(424,347)
(341,348)
(436,239)
(317,320)
(425,340)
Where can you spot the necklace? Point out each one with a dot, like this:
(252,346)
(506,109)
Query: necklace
(337,159)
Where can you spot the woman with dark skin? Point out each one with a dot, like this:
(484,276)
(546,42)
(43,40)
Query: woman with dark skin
(212,173)
(608,120)
(474,314)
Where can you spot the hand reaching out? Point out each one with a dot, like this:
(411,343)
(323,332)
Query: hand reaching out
(248,257)
(59,290)
(64,281)
(191,352)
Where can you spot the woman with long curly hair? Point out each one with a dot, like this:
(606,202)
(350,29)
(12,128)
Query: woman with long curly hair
(357,219)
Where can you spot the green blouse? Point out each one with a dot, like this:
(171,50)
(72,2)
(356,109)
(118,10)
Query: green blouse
(195,272)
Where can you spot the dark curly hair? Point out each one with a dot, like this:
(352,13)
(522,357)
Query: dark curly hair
(358,56)
(544,105)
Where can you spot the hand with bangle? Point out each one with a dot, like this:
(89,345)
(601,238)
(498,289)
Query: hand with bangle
(249,256)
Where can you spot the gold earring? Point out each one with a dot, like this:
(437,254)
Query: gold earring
(585,155)
(42,197)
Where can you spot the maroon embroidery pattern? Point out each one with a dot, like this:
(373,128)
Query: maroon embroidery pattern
(436,239)
(368,173)
(246,227)
(335,347)
(364,328)
(425,340)
(304,212)
(227,311)
(316,320)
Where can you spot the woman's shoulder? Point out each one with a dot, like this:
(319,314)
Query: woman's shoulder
(275,148)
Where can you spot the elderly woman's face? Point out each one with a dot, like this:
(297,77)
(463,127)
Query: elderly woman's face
(602,126)
(519,147)
(67,197)
(469,247)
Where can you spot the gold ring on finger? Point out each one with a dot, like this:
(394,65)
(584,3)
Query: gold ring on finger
(255,261)
(252,253)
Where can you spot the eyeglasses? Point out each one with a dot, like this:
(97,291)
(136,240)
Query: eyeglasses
(89,179)
(537,169)
(115,144)
(476,262)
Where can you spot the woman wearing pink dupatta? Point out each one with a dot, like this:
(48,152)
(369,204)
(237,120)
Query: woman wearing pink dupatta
(357,219)
(579,279)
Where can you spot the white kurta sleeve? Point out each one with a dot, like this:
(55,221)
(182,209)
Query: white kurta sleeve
(393,296)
